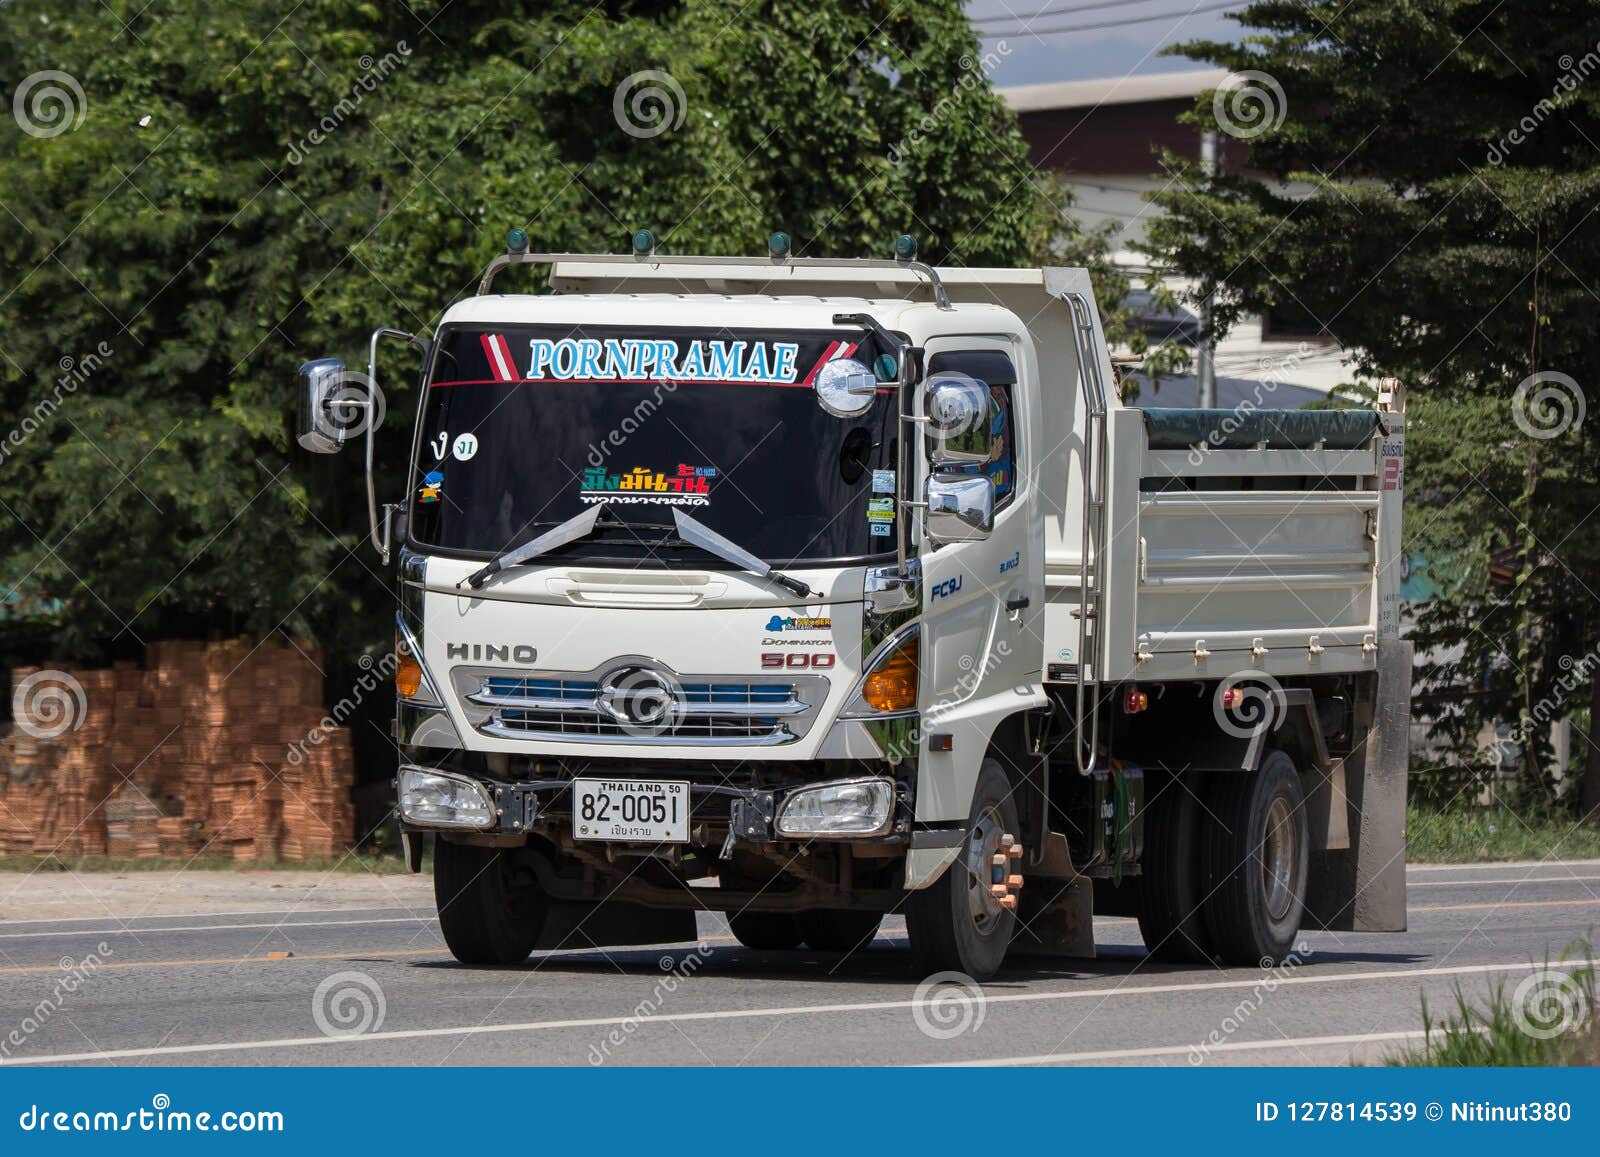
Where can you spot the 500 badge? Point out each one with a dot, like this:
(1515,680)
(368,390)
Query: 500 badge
(798,660)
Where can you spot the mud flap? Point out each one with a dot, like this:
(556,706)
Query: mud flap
(1055,918)
(579,924)
(1362,888)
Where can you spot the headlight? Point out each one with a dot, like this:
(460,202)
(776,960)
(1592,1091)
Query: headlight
(438,799)
(853,807)
(890,685)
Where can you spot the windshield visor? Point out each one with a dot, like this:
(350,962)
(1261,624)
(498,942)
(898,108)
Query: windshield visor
(524,427)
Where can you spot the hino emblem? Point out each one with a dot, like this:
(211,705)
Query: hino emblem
(492,652)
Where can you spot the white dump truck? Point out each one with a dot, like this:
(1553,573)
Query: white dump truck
(810,591)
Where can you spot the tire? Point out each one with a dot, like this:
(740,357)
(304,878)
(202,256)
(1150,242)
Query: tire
(955,925)
(487,915)
(1255,852)
(830,930)
(1171,918)
(766,931)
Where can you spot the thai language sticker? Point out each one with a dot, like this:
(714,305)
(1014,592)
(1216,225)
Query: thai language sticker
(883,481)
(791,623)
(880,510)
(684,486)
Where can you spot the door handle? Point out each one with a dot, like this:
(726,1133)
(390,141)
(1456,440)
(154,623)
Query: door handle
(1017,604)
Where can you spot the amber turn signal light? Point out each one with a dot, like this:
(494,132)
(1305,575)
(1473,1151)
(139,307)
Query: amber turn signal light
(407,673)
(893,686)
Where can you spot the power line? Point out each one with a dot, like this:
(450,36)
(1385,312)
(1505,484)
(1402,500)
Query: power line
(1055,10)
(1065,28)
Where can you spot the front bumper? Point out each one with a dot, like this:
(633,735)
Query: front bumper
(721,813)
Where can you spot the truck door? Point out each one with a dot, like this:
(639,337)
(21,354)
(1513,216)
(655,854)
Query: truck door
(985,599)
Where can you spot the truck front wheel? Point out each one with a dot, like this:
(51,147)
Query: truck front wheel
(489,913)
(1255,852)
(956,925)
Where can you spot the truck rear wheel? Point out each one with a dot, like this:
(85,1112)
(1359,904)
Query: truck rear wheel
(956,925)
(1171,919)
(1255,853)
(830,930)
(487,912)
(766,931)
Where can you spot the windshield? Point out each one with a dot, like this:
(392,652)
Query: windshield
(524,427)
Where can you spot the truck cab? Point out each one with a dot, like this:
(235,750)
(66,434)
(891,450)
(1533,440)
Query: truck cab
(810,591)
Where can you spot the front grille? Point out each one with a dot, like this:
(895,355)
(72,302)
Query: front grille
(696,710)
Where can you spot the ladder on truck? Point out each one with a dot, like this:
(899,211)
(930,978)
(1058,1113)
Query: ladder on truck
(1091,580)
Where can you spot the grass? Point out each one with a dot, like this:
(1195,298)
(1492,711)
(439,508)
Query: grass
(360,862)
(1517,1029)
(1477,836)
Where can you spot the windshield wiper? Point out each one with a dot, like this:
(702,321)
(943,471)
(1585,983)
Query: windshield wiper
(697,533)
(580,525)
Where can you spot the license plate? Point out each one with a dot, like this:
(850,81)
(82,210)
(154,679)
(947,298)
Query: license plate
(636,810)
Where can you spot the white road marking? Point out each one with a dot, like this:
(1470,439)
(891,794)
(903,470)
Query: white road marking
(298,911)
(754,1013)
(1508,880)
(217,927)
(1303,1042)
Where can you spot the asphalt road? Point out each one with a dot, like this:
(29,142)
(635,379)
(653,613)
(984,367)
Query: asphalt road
(209,990)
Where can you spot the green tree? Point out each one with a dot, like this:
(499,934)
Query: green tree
(233,190)
(1420,176)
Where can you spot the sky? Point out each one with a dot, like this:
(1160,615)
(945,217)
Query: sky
(1033,55)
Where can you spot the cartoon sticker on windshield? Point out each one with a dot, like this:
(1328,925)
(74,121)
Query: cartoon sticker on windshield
(432,481)
(684,486)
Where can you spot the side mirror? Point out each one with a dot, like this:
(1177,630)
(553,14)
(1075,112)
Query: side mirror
(959,412)
(845,387)
(960,509)
(323,388)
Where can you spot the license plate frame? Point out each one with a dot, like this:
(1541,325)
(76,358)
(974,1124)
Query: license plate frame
(633,811)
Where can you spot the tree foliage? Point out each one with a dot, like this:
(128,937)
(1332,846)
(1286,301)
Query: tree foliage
(1421,178)
(240,189)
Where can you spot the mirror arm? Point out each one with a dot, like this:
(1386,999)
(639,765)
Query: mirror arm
(379,542)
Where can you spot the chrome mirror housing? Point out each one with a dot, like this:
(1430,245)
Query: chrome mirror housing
(960,509)
(845,387)
(959,413)
(323,388)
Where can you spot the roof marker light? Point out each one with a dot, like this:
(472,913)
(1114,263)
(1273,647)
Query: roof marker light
(905,247)
(778,245)
(644,243)
(517,241)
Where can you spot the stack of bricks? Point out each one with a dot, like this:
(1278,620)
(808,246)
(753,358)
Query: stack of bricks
(210,749)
